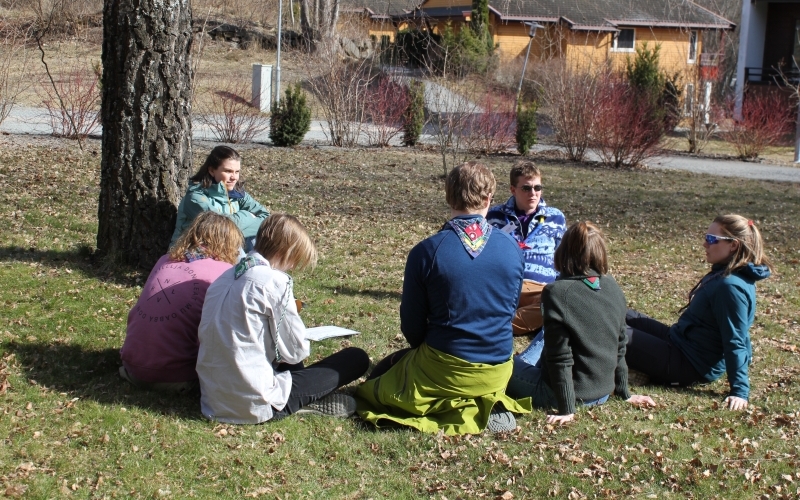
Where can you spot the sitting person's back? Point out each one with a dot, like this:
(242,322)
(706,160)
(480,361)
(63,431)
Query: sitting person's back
(160,349)
(459,295)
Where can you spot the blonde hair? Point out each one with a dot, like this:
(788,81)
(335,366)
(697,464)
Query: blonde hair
(283,240)
(582,248)
(468,184)
(751,247)
(219,236)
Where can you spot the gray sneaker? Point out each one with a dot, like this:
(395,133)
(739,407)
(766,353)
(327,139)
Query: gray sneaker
(334,404)
(501,420)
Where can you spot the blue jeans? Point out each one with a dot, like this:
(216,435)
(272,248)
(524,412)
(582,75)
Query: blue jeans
(527,381)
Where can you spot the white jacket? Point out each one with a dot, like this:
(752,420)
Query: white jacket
(236,359)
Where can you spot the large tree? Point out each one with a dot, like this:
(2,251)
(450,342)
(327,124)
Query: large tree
(147,130)
(318,20)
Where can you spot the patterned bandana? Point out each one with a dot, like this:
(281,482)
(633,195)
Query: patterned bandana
(248,262)
(473,232)
(197,253)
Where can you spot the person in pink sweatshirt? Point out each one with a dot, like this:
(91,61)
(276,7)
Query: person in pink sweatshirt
(160,349)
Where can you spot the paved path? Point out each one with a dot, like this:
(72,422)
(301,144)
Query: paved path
(27,120)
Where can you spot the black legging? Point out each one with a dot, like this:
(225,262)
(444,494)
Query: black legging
(650,351)
(322,378)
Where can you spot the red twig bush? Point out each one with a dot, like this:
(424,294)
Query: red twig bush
(766,121)
(72,102)
(627,128)
(385,102)
(227,110)
(493,126)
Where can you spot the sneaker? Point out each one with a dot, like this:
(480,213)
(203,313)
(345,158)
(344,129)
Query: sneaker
(334,404)
(636,377)
(501,420)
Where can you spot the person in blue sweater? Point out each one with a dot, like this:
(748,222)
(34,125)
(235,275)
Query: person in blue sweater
(460,292)
(537,228)
(712,335)
(216,187)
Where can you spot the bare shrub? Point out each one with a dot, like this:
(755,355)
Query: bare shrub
(450,109)
(766,120)
(385,101)
(570,97)
(72,100)
(12,83)
(492,127)
(340,86)
(627,127)
(227,111)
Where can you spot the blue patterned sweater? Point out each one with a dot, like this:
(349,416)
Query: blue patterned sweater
(544,233)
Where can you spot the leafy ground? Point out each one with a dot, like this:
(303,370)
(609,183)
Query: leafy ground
(71,427)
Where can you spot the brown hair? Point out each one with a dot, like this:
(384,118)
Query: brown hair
(583,248)
(524,168)
(217,234)
(215,159)
(468,184)
(284,241)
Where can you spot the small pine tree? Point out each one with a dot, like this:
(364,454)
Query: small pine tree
(526,127)
(414,116)
(290,118)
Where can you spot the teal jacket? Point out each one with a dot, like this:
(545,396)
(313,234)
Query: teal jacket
(246,212)
(714,331)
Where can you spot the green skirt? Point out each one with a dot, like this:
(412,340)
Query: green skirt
(431,391)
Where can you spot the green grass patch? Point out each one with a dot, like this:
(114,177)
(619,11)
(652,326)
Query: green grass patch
(72,428)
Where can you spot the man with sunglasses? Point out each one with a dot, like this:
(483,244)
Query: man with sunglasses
(538,229)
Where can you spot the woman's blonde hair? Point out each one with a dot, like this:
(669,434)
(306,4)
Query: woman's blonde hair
(751,247)
(750,250)
(582,248)
(217,234)
(284,241)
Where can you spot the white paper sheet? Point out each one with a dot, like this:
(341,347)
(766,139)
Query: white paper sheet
(326,332)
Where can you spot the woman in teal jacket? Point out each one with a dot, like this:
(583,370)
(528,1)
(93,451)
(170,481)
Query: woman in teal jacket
(712,335)
(216,188)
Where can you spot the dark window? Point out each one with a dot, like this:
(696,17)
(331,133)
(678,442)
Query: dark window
(625,39)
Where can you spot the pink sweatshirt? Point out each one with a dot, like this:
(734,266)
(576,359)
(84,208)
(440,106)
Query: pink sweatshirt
(161,343)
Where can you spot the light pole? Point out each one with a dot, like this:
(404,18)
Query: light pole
(278,54)
(531,34)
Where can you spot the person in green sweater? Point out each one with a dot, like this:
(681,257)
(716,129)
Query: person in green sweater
(583,361)
(216,187)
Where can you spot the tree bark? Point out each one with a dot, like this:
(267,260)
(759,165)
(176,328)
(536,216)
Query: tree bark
(147,129)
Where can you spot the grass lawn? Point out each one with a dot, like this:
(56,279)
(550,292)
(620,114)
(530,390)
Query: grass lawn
(71,427)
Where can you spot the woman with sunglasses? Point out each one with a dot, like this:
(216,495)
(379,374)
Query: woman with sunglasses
(712,335)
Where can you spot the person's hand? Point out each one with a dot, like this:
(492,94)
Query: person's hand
(560,419)
(735,403)
(639,400)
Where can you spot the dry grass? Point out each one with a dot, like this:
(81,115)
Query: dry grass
(71,427)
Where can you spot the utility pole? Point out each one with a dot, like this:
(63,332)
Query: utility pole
(278,55)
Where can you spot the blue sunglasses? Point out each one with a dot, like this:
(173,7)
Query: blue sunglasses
(713,239)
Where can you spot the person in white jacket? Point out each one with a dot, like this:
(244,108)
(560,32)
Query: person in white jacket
(253,342)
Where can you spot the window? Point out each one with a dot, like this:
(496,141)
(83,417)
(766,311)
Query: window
(692,46)
(624,40)
(688,102)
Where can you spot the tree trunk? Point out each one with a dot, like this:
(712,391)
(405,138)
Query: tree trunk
(147,129)
(318,20)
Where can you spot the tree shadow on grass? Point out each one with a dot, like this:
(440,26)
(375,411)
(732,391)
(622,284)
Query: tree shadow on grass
(78,258)
(375,294)
(94,375)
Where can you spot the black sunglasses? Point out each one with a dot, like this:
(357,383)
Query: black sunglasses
(528,188)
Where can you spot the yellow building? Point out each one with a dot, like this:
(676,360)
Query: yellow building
(584,33)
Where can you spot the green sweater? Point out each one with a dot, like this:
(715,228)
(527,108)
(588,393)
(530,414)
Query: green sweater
(584,339)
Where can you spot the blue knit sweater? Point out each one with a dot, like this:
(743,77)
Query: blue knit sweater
(460,305)
(714,331)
